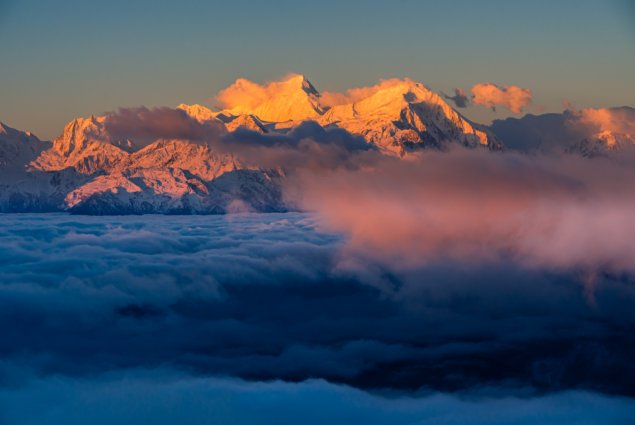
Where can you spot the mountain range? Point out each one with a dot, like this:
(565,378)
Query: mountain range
(167,161)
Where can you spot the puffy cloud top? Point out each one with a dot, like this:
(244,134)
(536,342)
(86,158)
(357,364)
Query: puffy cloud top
(615,120)
(491,95)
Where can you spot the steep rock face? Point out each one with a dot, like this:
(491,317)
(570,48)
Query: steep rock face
(84,145)
(250,122)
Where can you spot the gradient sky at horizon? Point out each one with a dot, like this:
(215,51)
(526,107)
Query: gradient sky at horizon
(69,58)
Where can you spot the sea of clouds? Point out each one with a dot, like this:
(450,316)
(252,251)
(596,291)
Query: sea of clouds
(253,318)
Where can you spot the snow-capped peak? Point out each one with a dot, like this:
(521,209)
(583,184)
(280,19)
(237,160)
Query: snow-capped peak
(292,99)
(300,81)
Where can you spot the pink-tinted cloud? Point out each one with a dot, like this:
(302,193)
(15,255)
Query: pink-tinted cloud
(615,120)
(245,93)
(474,207)
(491,96)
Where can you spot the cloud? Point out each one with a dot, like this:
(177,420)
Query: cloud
(307,146)
(491,95)
(616,120)
(164,397)
(144,125)
(474,207)
(246,93)
(460,98)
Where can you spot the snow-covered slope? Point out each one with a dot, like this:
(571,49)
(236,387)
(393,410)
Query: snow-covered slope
(17,149)
(86,146)
(400,114)
(200,113)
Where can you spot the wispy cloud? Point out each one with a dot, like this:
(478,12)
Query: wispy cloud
(145,125)
(557,212)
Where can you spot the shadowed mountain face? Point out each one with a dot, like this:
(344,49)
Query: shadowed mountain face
(590,132)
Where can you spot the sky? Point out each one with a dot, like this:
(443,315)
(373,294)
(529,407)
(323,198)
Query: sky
(68,58)
(447,286)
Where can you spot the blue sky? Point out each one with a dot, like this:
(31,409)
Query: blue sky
(68,58)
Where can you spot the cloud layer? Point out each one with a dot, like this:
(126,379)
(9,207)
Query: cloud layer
(308,146)
(266,297)
(144,125)
(248,95)
(474,206)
